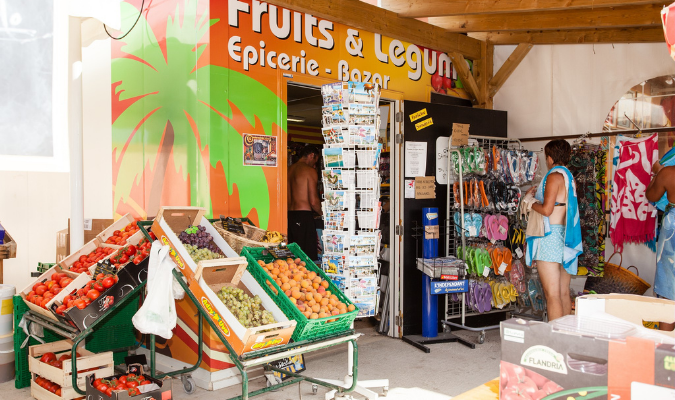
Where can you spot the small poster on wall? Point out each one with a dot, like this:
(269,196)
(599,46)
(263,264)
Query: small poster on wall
(260,150)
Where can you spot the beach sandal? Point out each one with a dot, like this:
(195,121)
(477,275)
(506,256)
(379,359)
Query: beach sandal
(502,227)
(513,293)
(508,259)
(468,221)
(477,222)
(497,259)
(487,298)
(456,219)
(455,190)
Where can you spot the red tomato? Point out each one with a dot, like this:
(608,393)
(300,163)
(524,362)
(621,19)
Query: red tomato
(130,251)
(102,387)
(55,289)
(121,386)
(65,282)
(30,294)
(97,382)
(58,392)
(122,379)
(48,357)
(133,392)
(48,295)
(44,302)
(70,304)
(116,233)
(145,382)
(152,236)
(61,309)
(79,303)
(49,284)
(108,282)
(41,290)
(66,357)
(98,286)
(87,300)
(131,376)
(81,292)
(109,392)
(93,294)
(138,259)
(124,259)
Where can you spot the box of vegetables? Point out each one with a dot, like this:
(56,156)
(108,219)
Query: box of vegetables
(191,238)
(239,306)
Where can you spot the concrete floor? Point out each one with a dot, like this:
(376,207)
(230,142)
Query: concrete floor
(449,370)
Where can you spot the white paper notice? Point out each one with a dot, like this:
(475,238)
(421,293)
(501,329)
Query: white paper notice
(409,188)
(442,160)
(415,159)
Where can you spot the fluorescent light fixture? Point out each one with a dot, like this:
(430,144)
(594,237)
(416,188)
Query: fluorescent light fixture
(291,118)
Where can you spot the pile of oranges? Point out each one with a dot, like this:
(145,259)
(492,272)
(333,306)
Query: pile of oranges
(307,290)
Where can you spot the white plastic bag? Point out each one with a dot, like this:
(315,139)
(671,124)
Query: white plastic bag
(158,313)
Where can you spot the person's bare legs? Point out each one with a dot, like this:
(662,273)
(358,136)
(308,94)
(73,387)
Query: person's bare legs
(549,273)
(565,280)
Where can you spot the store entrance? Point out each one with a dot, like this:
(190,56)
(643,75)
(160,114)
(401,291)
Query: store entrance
(304,123)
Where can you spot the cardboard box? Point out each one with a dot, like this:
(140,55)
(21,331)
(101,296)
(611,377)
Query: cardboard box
(630,307)
(170,221)
(102,363)
(78,281)
(103,304)
(211,276)
(62,245)
(538,361)
(163,393)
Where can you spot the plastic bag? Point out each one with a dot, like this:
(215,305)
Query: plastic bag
(158,313)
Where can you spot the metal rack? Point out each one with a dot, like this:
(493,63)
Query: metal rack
(454,310)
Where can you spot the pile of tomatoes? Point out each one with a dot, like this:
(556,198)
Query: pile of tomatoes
(82,297)
(43,292)
(128,382)
(51,359)
(136,254)
(120,237)
(84,262)
(48,385)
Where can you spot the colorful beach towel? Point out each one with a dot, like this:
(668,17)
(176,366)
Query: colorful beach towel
(633,217)
(573,246)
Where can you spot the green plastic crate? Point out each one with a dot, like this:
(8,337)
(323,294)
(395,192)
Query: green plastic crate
(306,329)
(22,374)
(115,332)
(44,267)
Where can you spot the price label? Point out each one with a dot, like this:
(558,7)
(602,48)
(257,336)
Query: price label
(233,225)
(105,267)
(472,231)
(502,230)
(502,268)
(281,252)
(519,252)
(486,271)
(493,241)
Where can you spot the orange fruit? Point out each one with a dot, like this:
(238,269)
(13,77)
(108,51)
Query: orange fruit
(351,307)
(296,294)
(307,313)
(297,261)
(261,263)
(315,285)
(297,277)
(275,271)
(314,316)
(318,297)
(284,278)
(335,312)
(304,283)
(311,275)
(342,306)
(317,279)
(285,286)
(322,315)
(325,284)
(324,301)
(316,308)
(342,311)
(293,300)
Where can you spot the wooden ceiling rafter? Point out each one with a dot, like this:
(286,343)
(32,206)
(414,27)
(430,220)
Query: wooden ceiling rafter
(435,8)
(574,36)
(616,17)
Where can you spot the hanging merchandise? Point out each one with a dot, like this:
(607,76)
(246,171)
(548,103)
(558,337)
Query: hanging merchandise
(351,206)
(633,218)
(583,166)
(667,160)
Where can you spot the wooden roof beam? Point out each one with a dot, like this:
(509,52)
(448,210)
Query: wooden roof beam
(577,36)
(508,67)
(360,15)
(470,85)
(436,8)
(615,17)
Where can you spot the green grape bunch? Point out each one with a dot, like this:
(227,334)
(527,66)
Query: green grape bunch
(248,310)
(198,254)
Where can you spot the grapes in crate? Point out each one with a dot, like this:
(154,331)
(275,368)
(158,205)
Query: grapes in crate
(199,244)
(248,310)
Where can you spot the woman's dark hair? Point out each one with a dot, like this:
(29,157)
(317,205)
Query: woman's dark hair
(559,150)
(308,150)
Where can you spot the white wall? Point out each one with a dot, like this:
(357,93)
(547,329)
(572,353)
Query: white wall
(569,90)
(35,205)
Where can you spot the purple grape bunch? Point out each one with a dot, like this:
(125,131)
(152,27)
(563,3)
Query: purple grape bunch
(197,236)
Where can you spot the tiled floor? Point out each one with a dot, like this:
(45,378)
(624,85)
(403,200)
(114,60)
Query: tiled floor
(450,369)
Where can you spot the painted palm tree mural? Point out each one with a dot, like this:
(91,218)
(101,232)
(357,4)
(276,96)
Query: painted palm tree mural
(178,121)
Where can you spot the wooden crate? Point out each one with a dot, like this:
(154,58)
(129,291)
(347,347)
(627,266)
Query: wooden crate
(63,376)
(78,281)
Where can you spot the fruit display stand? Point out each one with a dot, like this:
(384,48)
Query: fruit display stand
(245,361)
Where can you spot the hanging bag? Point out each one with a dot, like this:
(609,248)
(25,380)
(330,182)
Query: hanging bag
(617,279)
(157,315)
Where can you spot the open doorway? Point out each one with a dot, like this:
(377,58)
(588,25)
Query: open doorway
(304,123)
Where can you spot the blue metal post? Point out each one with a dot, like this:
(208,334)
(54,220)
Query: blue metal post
(429,301)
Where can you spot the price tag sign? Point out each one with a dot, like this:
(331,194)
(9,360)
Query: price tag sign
(502,268)
(431,232)
(486,271)
(105,267)
(233,225)
(502,230)
(519,252)
(281,252)
(472,231)
(460,134)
